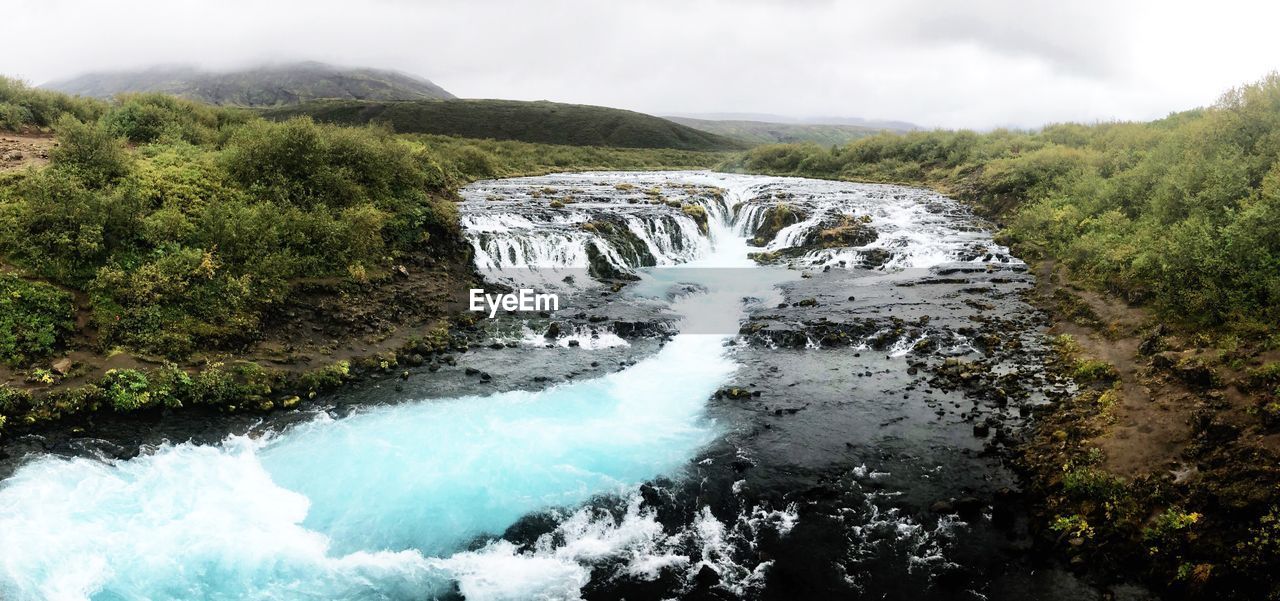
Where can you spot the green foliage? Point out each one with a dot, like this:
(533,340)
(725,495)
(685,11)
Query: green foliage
(1093,370)
(176,298)
(1183,212)
(1170,525)
(34,319)
(13,401)
(325,378)
(25,108)
(89,152)
(1093,484)
(189,241)
(1262,548)
(1072,525)
(1265,377)
(127,389)
(147,118)
(170,385)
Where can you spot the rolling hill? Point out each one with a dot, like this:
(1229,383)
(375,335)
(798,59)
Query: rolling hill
(537,121)
(271,85)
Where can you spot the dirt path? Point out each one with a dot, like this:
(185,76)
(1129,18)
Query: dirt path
(1151,421)
(1183,432)
(18,151)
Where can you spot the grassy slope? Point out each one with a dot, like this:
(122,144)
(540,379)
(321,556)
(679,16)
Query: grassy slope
(471,159)
(541,122)
(761,132)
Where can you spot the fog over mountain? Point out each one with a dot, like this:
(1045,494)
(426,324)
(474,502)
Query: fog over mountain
(263,85)
(910,61)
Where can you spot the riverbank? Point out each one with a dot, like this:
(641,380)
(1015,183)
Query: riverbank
(1157,243)
(1160,463)
(1164,464)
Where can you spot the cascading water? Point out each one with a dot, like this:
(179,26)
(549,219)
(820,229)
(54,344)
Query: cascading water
(407,501)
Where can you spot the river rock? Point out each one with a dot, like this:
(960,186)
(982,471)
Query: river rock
(62,366)
(706,577)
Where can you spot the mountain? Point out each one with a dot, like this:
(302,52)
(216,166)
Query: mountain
(761,132)
(528,121)
(268,85)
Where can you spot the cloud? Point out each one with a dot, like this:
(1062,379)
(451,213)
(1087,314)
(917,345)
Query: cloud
(1082,38)
(973,64)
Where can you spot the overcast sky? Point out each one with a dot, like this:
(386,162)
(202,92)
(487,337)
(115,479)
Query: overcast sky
(935,63)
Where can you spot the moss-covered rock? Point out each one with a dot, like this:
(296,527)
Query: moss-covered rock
(841,231)
(776,218)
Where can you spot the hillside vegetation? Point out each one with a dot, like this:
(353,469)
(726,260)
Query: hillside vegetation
(1182,213)
(186,241)
(761,132)
(269,85)
(541,122)
(180,233)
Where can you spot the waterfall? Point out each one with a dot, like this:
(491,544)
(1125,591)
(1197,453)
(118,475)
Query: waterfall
(509,229)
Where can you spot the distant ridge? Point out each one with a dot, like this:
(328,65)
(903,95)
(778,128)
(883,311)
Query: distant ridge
(267,85)
(761,132)
(873,124)
(527,121)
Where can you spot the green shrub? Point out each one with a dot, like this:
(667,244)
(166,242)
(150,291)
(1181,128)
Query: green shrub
(23,107)
(147,118)
(35,318)
(1093,484)
(1262,547)
(171,385)
(1170,524)
(54,225)
(1072,525)
(127,389)
(14,116)
(169,302)
(1265,377)
(325,378)
(13,401)
(215,386)
(89,151)
(1093,370)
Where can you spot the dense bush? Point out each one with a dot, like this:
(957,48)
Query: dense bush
(147,118)
(34,319)
(190,238)
(89,152)
(1183,212)
(25,108)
